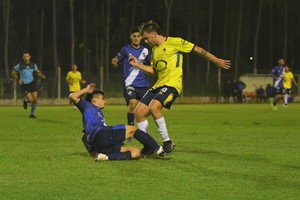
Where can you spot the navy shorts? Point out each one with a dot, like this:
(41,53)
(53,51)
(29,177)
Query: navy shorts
(287,91)
(165,95)
(110,139)
(134,93)
(28,88)
(279,90)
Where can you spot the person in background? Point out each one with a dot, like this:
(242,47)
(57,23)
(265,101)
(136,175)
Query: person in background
(135,83)
(227,91)
(260,94)
(23,73)
(288,79)
(8,88)
(277,74)
(74,80)
(240,86)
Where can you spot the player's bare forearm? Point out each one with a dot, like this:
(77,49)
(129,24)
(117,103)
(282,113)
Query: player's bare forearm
(39,73)
(294,81)
(225,64)
(14,75)
(75,97)
(147,69)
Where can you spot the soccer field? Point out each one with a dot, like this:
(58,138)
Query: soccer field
(224,151)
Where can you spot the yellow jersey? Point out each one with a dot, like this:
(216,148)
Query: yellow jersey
(287,80)
(74,78)
(167,62)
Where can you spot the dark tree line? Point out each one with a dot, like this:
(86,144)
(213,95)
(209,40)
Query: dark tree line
(90,32)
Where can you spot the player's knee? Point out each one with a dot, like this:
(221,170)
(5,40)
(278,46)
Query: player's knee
(138,113)
(154,109)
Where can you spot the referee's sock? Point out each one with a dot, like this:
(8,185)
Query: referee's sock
(145,139)
(33,107)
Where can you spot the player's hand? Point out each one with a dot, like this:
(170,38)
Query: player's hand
(133,60)
(20,82)
(43,76)
(225,64)
(91,87)
(114,62)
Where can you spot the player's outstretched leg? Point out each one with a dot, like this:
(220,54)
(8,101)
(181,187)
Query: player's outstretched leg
(148,141)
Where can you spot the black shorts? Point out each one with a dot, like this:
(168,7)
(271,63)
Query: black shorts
(110,139)
(287,91)
(134,93)
(165,95)
(279,90)
(28,88)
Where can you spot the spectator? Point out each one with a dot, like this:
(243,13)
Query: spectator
(239,87)
(227,91)
(260,94)
(7,88)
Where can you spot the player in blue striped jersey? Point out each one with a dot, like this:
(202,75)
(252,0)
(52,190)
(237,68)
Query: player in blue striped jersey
(135,82)
(277,74)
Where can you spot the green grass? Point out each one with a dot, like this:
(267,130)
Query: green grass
(223,152)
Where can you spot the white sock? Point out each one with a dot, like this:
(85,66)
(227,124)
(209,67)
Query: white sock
(144,126)
(162,128)
(286,98)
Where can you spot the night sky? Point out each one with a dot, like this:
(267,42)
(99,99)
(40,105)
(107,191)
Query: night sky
(278,33)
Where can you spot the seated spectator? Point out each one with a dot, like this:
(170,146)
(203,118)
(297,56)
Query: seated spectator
(260,94)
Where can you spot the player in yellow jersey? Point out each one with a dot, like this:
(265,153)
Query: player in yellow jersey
(166,64)
(288,78)
(74,80)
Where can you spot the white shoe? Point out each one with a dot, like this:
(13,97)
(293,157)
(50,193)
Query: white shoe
(160,152)
(101,156)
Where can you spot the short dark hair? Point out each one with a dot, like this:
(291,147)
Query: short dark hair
(134,29)
(96,92)
(150,27)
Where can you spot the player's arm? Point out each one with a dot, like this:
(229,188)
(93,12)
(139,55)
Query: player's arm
(68,78)
(40,74)
(134,62)
(225,64)
(274,77)
(80,79)
(15,76)
(294,81)
(115,62)
(75,97)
